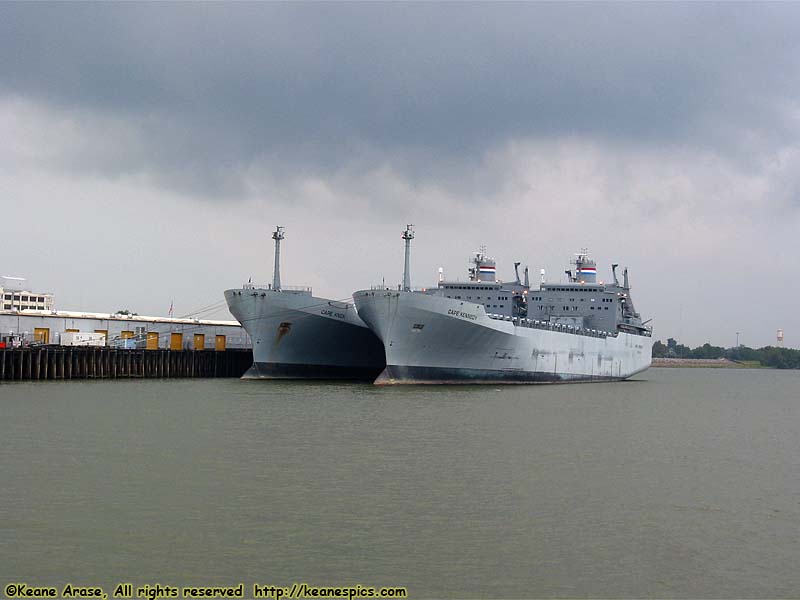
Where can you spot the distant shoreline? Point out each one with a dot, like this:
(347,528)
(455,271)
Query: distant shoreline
(708,363)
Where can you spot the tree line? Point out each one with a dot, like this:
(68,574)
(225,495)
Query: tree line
(768,356)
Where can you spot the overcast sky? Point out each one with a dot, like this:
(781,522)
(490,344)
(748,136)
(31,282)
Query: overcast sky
(148,150)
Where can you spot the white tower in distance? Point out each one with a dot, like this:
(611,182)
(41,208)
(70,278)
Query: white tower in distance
(780,338)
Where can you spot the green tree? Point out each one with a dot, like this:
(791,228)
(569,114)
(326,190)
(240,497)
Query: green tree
(742,353)
(707,351)
(659,350)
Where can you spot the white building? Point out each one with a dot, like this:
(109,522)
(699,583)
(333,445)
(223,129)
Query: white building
(14,299)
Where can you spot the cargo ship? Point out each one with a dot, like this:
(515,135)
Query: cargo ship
(297,335)
(486,331)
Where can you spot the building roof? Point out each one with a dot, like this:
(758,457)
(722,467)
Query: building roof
(68,314)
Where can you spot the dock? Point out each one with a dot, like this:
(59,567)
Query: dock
(80,362)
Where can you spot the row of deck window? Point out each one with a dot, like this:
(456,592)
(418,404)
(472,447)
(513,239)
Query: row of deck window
(574,308)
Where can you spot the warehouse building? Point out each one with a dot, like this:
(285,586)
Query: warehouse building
(47,327)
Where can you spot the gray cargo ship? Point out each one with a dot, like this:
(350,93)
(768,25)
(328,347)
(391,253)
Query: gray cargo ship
(297,335)
(486,331)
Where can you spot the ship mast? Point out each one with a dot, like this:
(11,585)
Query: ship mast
(408,235)
(277,235)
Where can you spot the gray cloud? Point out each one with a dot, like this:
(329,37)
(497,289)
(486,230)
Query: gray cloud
(664,136)
(214,86)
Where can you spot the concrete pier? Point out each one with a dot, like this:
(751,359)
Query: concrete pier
(54,362)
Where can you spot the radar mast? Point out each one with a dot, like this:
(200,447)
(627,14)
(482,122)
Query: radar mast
(277,235)
(408,235)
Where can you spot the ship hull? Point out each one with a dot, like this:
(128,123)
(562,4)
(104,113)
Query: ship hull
(299,336)
(435,340)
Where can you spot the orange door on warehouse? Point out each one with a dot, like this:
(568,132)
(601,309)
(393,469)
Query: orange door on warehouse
(199,341)
(41,335)
(126,335)
(219,343)
(176,341)
(152,340)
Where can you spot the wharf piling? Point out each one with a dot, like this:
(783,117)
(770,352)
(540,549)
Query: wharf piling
(77,362)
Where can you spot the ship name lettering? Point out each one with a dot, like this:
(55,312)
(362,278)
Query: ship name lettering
(462,314)
(330,313)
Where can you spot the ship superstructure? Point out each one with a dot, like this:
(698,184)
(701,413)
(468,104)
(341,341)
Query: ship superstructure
(486,331)
(297,335)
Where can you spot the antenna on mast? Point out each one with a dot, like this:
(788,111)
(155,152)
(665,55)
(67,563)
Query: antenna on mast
(408,235)
(277,235)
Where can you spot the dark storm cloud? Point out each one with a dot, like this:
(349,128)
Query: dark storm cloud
(210,88)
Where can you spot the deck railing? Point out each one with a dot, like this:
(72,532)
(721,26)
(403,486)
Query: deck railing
(284,288)
(534,324)
(545,325)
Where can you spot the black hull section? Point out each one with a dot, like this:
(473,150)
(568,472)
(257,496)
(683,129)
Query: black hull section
(319,372)
(404,375)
